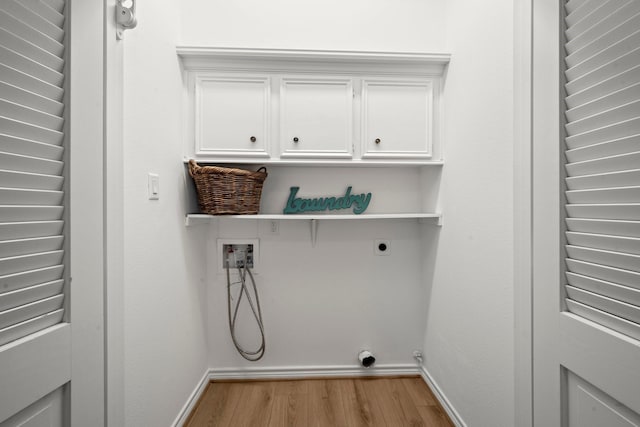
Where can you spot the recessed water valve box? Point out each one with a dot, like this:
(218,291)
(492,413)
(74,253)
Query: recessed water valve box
(238,253)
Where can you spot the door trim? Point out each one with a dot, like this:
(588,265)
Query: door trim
(86,211)
(114,217)
(523,213)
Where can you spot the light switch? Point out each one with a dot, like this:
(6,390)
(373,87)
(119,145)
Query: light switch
(154,186)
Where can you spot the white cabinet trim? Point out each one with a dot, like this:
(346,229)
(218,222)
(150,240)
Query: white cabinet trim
(293,60)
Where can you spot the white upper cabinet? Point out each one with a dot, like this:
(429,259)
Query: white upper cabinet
(232,116)
(397,119)
(316,118)
(305,107)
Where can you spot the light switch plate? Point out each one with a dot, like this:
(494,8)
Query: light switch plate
(154,186)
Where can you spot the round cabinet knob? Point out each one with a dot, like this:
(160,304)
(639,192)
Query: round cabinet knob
(253,139)
(377,141)
(295,139)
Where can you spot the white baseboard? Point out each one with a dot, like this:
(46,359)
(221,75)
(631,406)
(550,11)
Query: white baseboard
(193,399)
(293,372)
(442,398)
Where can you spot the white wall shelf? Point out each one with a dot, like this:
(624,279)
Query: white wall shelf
(314,162)
(202,219)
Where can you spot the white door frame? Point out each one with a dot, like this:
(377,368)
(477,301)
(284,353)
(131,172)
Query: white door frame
(114,217)
(86,211)
(97,211)
(523,213)
(97,236)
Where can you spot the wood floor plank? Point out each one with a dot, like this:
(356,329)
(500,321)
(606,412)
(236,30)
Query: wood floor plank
(255,410)
(401,397)
(352,402)
(419,391)
(290,404)
(378,391)
(325,404)
(434,416)
(217,406)
(357,407)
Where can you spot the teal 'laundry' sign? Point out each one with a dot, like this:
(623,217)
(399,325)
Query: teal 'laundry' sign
(359,202)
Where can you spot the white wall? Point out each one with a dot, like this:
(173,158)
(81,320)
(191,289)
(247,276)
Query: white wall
(164,292)
(469,336)
(378,25)
(324,304)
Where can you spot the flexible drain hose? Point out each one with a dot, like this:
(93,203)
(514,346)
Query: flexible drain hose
(252,356)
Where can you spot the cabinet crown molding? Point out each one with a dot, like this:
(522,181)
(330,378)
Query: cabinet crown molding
(277,60)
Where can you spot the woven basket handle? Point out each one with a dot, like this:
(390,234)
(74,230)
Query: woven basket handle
(262,169)
(192,167)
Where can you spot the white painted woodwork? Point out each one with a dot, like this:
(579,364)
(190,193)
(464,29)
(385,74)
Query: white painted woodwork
(232,116)
(590,407)
(33,367)
(37,342)
(397,118)
(316,116)
(605,183)
(31,168)
(319,106)
(34,344)
(586,325)
(46,412)
(195,219)
(86,210)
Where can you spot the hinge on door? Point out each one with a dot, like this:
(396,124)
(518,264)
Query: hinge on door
(353,93)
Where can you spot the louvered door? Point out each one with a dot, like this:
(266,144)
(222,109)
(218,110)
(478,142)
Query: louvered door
(603,164)
(34,341)
(587,278)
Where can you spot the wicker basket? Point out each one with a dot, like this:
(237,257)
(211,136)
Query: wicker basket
(227,191)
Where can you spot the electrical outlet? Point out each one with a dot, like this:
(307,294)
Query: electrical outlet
(274,226)
(382,247)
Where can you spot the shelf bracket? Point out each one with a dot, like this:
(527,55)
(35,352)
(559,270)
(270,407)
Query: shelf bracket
(314,232)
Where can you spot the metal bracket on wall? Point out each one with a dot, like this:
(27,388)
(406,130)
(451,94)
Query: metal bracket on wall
(314,232)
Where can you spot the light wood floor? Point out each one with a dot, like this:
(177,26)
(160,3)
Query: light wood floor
(392,402)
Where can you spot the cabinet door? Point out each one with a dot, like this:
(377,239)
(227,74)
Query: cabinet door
(397,119)
(316,118)
(232,116)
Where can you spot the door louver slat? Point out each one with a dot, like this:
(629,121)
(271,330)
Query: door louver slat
(602,27)
(606,149)
(32,293)
(602,287)
(32,62)
(29,16)
(624,79)
(609,38)
(12,282)
(602,226)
